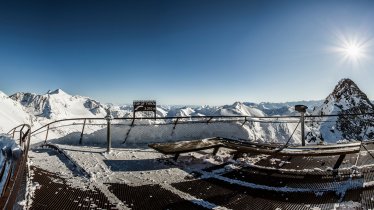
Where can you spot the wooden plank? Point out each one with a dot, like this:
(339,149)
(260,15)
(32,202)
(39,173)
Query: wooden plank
(328,146)
(244,147)
(294,152)
(186,146)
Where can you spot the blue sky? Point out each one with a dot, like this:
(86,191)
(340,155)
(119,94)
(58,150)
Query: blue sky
(184,52)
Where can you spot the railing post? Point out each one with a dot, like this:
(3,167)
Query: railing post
(84,124)
(46,135)
(302,109)
(302,119)
(108,118)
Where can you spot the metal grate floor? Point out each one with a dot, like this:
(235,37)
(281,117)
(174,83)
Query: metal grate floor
(54,193)
(238,197)
(152,197)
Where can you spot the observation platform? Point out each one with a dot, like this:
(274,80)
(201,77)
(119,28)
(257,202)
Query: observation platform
(86,177)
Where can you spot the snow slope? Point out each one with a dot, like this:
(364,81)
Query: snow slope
(12,113)
(59,105)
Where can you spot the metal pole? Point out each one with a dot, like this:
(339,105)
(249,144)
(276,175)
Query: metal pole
(108,136)
(302,128)
(302,109)
(108,118)
(46,135)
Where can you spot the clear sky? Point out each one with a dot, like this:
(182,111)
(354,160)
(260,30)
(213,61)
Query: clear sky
(186,52)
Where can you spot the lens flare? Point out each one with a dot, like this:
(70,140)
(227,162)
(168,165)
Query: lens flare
(352,49)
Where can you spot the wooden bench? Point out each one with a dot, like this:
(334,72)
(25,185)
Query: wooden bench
(176,148)
(241,147)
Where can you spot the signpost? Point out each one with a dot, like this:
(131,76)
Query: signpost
(145,106)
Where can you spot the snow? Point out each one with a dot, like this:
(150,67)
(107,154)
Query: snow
(11,114)
(58,104)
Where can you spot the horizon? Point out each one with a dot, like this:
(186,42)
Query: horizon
(130,103)
(182,105)
(187,52)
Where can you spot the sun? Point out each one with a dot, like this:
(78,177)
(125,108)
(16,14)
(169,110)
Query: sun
(352,49)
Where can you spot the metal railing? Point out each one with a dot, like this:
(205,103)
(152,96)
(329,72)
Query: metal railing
(17,167)
(174,122)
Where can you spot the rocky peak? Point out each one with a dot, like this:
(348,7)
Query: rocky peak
(346,89)
(345,100)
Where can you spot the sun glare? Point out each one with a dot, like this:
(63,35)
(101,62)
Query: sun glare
(352,49)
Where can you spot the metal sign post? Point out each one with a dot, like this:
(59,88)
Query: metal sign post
(302,109)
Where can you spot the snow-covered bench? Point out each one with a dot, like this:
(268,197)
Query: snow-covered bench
(240,147)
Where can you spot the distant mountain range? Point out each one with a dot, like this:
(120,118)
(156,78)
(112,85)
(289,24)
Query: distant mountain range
(345,98)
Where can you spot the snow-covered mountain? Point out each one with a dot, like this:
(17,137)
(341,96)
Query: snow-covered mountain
(286,108)
(346,98)
(12,113)
(236,109)
(59,105)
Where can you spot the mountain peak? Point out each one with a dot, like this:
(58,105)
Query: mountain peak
(57,91)
(347,98)
(346,87)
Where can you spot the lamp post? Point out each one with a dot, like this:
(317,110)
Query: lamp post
(108,119)
(302,109)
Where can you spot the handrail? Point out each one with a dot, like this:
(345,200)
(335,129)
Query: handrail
(179,120)
(18,167)
(243,117)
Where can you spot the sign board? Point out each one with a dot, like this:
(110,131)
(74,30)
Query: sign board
(145,106)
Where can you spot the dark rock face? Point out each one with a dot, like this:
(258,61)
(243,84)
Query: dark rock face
(37,104)
(93,106)
(354,126)
(346,99)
